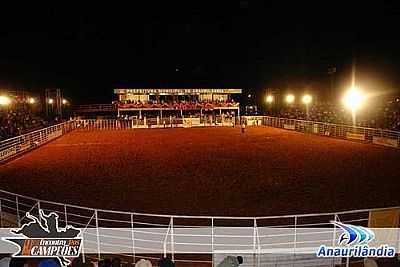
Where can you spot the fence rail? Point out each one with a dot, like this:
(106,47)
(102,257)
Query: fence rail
(349,132)
(159,122)
(186,238)
(15,146)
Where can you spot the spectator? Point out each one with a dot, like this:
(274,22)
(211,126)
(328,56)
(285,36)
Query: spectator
(143,263)
(231,261)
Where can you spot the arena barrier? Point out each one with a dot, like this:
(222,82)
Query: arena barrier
(15,146)
(363,134)
(165,122)
(191,239)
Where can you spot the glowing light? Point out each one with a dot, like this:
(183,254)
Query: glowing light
(307,99)
(51,101)
(31,100)
(353,99)
(269,99)
(290,98)
(64,101)
(4,100)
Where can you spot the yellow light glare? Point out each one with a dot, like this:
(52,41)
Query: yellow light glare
(64,101)
(31,100)
(4,100)
(307,99)
(290,98)
(353,99)
(51,101)
(269,99)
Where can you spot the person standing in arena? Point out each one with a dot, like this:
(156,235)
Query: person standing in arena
(231,261)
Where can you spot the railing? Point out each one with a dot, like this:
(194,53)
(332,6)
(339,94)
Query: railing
(192,239)
(17,145)
(370,135)
(95,108)
(159,122)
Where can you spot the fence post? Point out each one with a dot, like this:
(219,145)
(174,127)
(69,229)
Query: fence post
(295,233)
(258,247)
(172,240)
(254,240)
(1,216)
(65,215)
(97,235)
(18,218)
(133,238)
(212,240)
(295,239)
(334,238)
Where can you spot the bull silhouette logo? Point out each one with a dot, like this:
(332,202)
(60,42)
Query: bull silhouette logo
(45,239)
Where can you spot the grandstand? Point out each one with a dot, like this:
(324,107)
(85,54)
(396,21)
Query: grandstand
(178,100)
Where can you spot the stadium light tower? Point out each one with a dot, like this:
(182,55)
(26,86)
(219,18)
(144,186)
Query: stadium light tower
(290,98)
(269,99)
(4,100)
(353,100)
(307,100)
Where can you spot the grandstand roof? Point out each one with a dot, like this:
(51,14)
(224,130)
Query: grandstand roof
(180,91)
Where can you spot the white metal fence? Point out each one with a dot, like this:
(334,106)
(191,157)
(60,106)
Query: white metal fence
(370,135)
(137,234)
(15,146)
(166,122)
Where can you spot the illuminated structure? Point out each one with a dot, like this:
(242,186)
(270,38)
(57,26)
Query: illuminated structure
(179,100)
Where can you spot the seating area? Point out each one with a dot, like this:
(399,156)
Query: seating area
(181,105)
(19,120)
(383,116)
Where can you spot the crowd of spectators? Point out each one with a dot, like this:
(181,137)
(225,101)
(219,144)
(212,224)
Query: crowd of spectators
(178,105)
(382,116)
(17,120)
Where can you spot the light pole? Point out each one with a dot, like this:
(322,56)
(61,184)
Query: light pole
(269,99)
(307,100)
(353,99)
(4,100)
(290,98)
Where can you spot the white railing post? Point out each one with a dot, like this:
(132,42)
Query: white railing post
(18,218)
(97,235)
(335,217)
(258,247)
(254,240)
(166,240)
(65,215)
(1,216)
(133,239)
(295,234)
(212,240)
(295,240)
(172,240)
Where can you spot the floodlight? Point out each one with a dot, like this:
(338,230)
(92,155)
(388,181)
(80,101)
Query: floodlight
(290,98)
(5,100)
(353,99)
(307,99)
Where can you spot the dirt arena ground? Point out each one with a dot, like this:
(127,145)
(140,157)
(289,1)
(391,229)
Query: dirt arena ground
(208,171)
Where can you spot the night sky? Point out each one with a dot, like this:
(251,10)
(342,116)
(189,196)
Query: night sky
(89,50)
